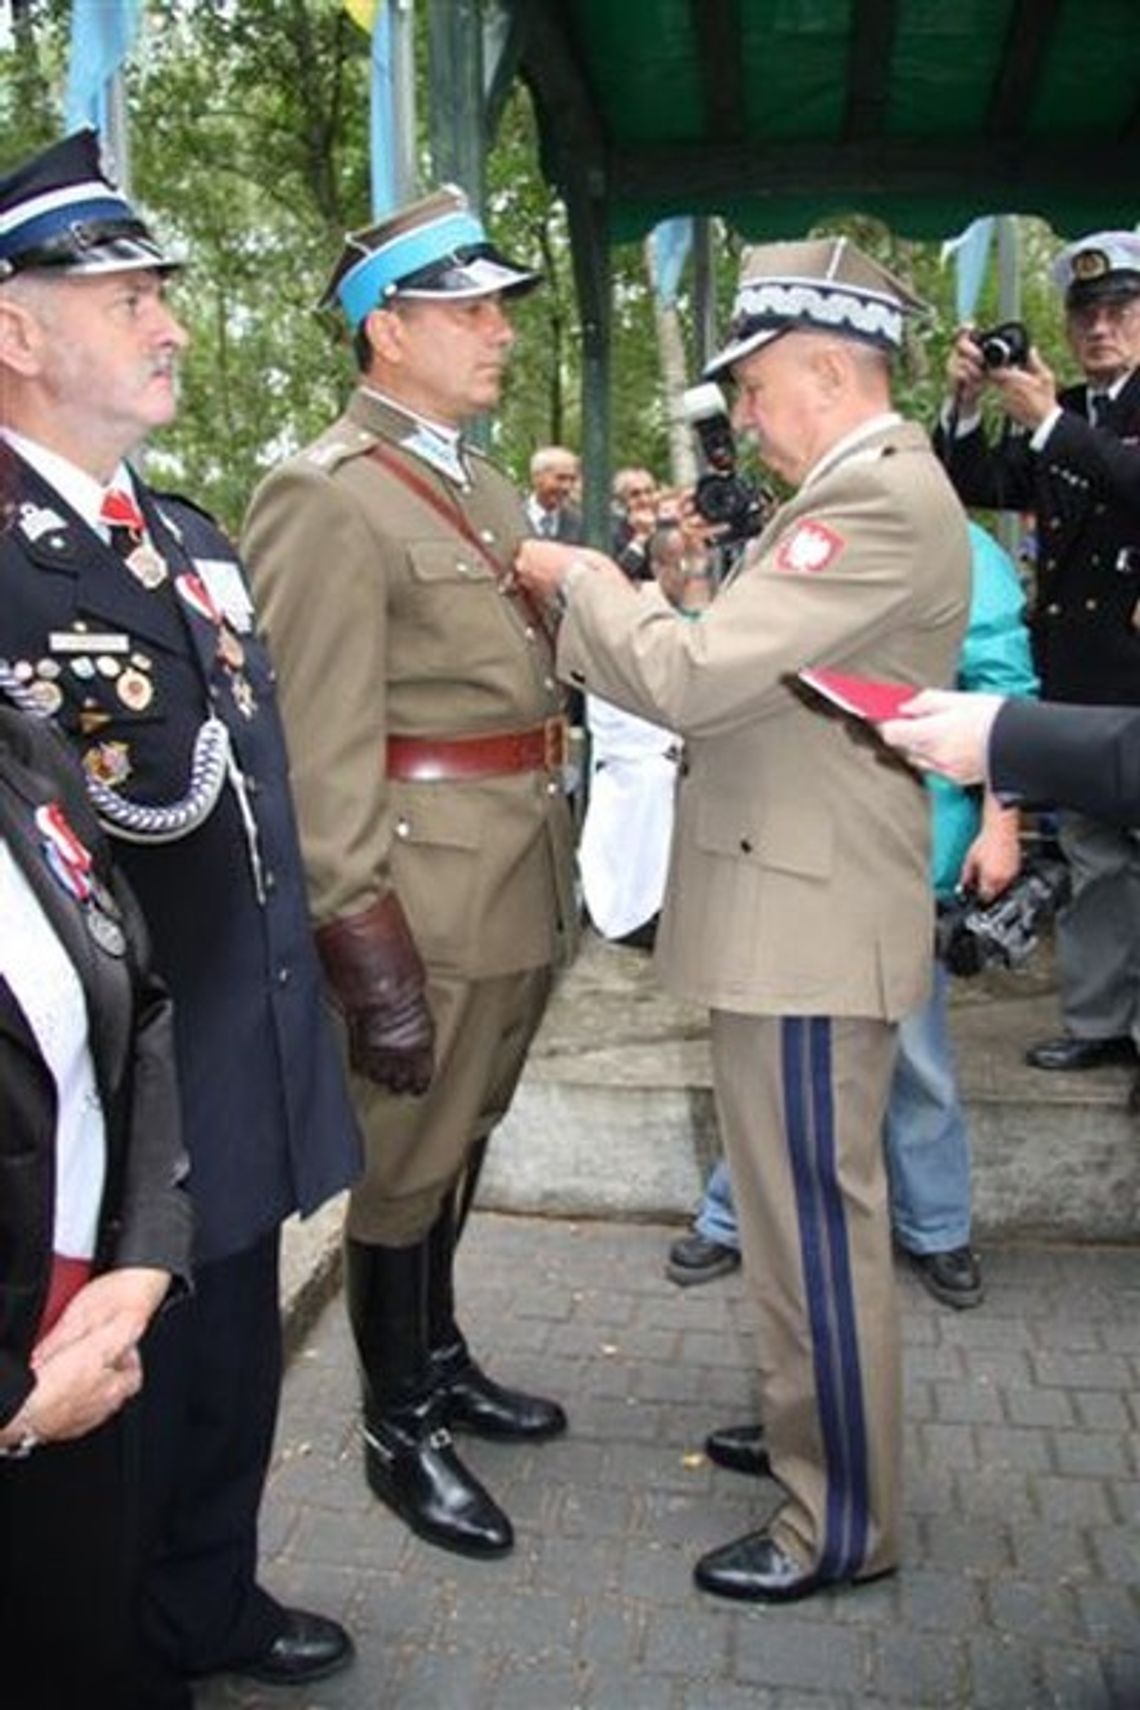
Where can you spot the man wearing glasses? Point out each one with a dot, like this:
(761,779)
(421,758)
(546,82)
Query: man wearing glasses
(1073,458)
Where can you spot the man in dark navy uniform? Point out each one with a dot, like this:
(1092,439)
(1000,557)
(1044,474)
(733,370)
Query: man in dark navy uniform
(1073,458)
(126,619)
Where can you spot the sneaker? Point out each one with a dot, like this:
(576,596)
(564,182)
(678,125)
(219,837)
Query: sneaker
(953,1277)
(695,1259)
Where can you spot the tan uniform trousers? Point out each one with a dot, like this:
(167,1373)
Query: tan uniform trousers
(416,1149)
(801,1102)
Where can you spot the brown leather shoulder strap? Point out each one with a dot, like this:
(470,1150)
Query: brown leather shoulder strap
(454,517)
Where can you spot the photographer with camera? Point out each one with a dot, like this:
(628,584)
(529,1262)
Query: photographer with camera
(798,908)
(1072,458)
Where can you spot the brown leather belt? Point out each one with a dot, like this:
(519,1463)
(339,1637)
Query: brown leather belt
(435,759)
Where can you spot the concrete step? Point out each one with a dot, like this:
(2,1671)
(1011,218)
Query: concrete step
(614,1116)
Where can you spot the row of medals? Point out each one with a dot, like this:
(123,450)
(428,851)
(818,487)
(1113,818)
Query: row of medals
(148,566)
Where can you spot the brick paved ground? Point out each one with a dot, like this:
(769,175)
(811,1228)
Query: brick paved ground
(1022,1579)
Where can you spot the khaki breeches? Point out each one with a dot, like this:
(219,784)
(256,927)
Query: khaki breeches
(416,1148)
(800,1102)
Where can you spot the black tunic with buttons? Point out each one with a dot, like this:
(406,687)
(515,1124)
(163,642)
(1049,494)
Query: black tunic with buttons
(130,674)
(1084,488)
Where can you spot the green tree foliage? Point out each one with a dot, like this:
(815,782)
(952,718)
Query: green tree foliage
(249,145)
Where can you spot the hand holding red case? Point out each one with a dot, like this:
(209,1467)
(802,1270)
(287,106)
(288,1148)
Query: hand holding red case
(866,697)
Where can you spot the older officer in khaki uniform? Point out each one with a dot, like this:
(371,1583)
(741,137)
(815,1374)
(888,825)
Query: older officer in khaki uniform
(427,747)
(799,904)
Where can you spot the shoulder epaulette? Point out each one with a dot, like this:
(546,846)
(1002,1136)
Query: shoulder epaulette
(337,446)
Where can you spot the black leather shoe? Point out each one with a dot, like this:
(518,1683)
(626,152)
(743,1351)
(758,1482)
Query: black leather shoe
(1071,1053)
(954,1277)
(474,1402)
(308,1648)
(740,1448)
(755,1569)
(695,1259)
(411,1464)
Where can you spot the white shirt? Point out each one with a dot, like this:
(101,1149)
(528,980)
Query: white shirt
(80,490)
(47,989)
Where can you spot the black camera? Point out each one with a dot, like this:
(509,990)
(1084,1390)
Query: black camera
(722,496)
(970,935)
(1006,346)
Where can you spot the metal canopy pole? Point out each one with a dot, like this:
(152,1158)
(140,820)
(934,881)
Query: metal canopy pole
(405,165)
(458,133)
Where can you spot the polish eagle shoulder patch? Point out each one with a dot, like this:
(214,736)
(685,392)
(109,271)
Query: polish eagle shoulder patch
(810,547)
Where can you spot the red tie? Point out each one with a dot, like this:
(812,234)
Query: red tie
(119,510)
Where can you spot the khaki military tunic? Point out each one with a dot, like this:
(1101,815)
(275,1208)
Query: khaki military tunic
(384,619)
(799,910)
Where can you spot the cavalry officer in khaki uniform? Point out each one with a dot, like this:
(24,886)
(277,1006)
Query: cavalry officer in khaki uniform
(427,744)
(799,905)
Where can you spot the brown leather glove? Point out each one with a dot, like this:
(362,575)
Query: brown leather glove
(372,964)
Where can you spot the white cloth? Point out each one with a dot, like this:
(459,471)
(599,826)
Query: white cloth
(623,854)
(47,989)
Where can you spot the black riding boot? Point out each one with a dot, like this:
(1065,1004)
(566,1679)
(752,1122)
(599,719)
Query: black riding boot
(409,1457)
(470,1400)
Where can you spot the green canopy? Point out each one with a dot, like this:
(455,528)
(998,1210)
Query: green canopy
(779,114)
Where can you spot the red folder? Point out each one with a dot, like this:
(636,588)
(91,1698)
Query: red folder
(864,696)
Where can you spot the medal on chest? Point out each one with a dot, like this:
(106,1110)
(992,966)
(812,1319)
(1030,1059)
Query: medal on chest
(69,862)
(230,652)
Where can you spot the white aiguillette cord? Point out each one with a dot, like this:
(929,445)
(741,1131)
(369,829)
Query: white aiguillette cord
(212,765)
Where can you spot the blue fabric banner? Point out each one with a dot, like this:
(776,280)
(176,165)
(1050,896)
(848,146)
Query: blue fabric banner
(101,35)
(669,245)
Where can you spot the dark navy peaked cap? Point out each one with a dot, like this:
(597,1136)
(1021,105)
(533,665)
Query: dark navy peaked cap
(59,210)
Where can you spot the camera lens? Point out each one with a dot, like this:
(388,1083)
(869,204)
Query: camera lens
(719,498)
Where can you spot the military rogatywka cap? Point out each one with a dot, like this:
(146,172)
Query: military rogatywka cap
(59,210)
(435,248)
(1099,268)
(818,285)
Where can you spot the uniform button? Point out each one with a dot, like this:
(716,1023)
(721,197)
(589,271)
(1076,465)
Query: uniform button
(214,692)
(549,684)
(553,789)
(1054,522)
(1090,605)
(252,785)
(403,829)
(462,566)
(529,632)
(1099,510)
(284,975)
(271,880)
(1053,609)
(745,846)
(487,536)
(1050,564)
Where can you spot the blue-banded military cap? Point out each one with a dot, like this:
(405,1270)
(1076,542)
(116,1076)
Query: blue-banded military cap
(435,248)
(1100,268)
(60,210)
(817,285)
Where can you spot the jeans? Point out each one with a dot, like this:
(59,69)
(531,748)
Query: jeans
(927,1145)
(928,1148)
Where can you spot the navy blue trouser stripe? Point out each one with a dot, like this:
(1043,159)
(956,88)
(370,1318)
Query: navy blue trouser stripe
(809,1121)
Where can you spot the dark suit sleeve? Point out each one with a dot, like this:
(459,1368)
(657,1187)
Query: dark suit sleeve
(1084,758)
(992,477)
(1111,465)
(154,1222)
